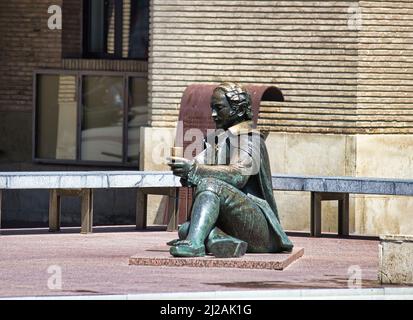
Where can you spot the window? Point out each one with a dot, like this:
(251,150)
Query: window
(83,117)
(102,118)
(56,117)
(116,29)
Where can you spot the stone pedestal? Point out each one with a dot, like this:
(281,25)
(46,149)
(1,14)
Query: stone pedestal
(396,259)
(159,256)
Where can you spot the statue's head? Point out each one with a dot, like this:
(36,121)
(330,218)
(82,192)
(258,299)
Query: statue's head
(230,104)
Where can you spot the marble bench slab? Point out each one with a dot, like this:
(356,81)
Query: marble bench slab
(148,179)
(355,185)
(87,179)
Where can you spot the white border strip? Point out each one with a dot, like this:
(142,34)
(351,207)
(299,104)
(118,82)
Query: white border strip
(394,293)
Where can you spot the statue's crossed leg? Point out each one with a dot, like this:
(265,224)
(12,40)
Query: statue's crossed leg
(225,222)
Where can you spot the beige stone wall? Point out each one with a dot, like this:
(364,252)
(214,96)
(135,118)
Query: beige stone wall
(388,156)
(155,147)
(310,154)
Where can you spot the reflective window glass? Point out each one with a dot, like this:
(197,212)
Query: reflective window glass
(56,117)
(137,115)
(102,118)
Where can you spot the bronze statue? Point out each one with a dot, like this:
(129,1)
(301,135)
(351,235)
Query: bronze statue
(234,210)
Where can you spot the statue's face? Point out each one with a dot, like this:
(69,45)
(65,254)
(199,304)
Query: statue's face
(223,115)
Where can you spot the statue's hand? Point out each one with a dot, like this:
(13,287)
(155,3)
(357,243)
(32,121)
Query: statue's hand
(180,166)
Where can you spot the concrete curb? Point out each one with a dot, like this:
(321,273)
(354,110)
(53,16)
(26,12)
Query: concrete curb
(399,293)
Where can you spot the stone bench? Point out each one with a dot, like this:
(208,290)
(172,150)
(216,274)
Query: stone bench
(83,183)
(339,188)
(79,183)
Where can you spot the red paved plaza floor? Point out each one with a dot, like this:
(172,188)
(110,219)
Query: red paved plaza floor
(98,264)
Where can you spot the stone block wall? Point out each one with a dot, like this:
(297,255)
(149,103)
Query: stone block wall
(343,66)
(303,47)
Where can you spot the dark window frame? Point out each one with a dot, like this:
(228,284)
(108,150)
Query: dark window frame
(118,41)
(79,74)
(118,32)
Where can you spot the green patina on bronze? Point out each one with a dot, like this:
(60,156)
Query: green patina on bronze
(234,210)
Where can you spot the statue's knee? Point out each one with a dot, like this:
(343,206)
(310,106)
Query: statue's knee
(209,184)
(208,181)
(206,200)
(207,196)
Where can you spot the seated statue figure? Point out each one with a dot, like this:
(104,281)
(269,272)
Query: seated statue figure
(233,211)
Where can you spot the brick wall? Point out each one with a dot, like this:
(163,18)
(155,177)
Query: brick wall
(26,43)
(72,29)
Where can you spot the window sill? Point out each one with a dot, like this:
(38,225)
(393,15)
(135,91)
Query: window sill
(85,163)
(123,65)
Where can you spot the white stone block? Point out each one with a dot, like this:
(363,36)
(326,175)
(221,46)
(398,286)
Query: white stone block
(396,259)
